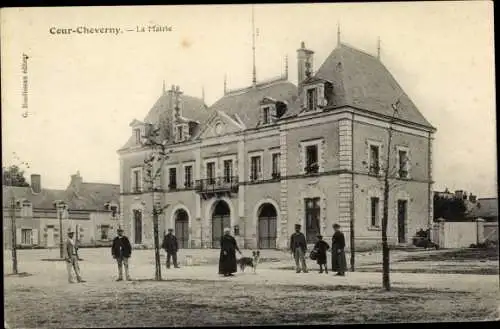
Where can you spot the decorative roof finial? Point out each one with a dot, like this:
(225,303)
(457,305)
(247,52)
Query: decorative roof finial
(225,84)
(338,34)
(254,71)
(203,93)
(378,48)
(164,86)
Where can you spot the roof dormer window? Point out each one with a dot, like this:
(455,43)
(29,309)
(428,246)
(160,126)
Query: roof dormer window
(181,132)
(137,134)
(311,99)
(267,115)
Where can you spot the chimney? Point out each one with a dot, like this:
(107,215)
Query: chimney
(36,183)
(304,62)
(76,181)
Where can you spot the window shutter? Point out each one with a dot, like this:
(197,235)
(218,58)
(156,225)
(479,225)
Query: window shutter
(321,95)
(18,236)
(34,236)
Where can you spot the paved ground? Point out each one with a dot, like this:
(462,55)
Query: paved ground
(197,296)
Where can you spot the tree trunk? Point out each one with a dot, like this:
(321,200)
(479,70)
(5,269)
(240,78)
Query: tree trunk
(385,247)
(14,236)
(157,247)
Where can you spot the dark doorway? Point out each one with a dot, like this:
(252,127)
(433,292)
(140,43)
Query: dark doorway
(267,226)
(137,226)
(402,213)
(182,228)
(312,219)
(221,218)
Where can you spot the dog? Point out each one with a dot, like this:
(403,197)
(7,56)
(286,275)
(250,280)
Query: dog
(252,262)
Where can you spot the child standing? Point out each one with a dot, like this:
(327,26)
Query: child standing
(321,248)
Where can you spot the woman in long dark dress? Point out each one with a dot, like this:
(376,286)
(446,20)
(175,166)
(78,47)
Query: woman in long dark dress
(339,263)
(321,247)
(228,248)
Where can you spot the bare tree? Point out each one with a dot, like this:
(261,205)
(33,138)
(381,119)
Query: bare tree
(389,183)
(153,165)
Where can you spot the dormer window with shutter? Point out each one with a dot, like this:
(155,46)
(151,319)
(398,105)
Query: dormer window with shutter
(268,110)
(137,134)
(266,115)
(311,99)
(315,94)
(181,132)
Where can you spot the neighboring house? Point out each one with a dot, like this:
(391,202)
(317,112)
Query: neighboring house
(487,209)
(271,155)
(92,210)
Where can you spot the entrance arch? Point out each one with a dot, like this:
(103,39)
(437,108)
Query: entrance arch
(221,218)
(182,228)
(267,226)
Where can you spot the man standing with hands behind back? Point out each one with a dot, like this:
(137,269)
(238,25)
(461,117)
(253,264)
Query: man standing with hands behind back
(121,251)
(298,246)
(171,246)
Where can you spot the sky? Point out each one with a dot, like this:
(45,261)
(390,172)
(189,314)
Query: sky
(84,90)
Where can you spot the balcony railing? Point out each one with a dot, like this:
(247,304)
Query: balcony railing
(217,184)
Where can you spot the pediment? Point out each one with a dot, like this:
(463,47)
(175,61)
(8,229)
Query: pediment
(136,123)
(220,124)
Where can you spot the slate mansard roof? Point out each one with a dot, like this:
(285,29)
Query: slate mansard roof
(358,79)
(362,81)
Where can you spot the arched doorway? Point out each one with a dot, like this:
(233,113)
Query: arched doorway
(137,226)
(221,218)
(182,228)
(267,226)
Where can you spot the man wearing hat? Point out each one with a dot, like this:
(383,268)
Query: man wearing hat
(72,258)
(171,246)
(121,250)
(298,246)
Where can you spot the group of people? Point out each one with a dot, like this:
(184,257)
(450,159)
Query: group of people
(298,248)
(121,250)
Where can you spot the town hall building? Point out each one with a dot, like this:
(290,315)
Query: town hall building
(264,158)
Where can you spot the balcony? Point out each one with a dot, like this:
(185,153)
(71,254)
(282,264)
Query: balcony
(217,185)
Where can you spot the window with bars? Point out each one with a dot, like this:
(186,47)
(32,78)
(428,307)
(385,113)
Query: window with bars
(374,212)
(172,178)
(211,172)
(312,166)
(255,167)
(275,165)
(228,170)
(188,176)
(311,100)
(374,159)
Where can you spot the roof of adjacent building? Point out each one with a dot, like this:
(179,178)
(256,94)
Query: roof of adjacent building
(361,80)
(486,208)
(246,102)
(92,196)
(43,200)
(78,196)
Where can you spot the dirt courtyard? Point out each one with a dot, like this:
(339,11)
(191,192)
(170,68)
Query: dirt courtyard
(197,296)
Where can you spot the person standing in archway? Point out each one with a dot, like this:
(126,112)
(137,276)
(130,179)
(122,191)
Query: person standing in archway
(227,259)
(171,246)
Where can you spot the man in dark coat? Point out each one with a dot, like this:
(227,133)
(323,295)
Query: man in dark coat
(171,246)
(298,247)
(228,248)
(121,250)
(339,263)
